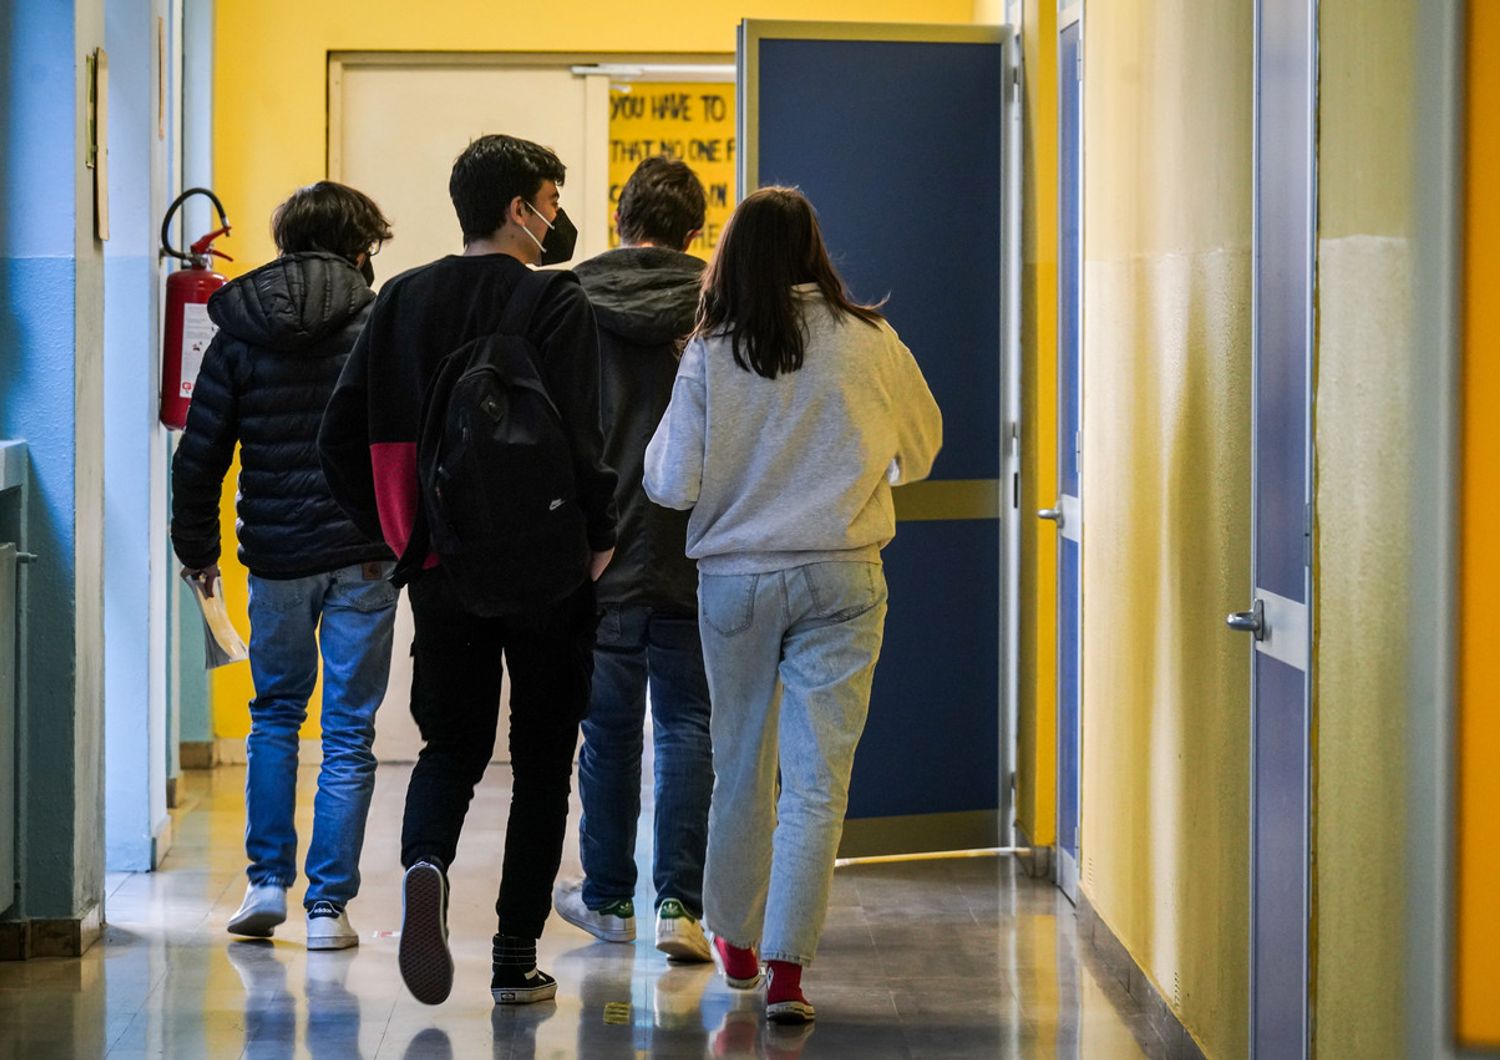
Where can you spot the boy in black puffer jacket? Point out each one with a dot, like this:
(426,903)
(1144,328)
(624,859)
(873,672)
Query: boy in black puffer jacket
(316,581)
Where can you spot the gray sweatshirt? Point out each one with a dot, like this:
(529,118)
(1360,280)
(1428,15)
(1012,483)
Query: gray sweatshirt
(797,469)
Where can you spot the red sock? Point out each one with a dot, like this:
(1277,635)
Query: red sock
(786,982)
(738,963)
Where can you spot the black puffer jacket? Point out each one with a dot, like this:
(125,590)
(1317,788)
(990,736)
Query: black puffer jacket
(285,331)
(644,300)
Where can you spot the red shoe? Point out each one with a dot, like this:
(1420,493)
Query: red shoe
(784,1000)
(741,967)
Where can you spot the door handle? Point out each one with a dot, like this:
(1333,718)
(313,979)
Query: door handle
(1053,514)
(1252,622)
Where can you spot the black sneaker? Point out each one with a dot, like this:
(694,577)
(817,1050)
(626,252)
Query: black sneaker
(513,985)
(426,964)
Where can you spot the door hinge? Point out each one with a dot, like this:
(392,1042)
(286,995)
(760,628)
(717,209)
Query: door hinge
(1078,62)
(1307,529)
(1015,489)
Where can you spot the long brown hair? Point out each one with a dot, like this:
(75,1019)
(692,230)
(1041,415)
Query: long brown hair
(771,244)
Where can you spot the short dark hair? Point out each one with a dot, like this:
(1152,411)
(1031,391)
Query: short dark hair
(330,217)
(490,173)
(662,202)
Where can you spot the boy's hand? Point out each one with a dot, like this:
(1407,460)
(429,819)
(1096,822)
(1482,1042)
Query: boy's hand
(204,576)
(598,561)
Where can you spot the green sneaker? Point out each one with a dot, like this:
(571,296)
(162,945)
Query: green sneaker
(614,923)
(679,935)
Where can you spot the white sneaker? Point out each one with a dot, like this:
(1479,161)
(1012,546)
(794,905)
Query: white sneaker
(679,935)
(328,928)
(614,923)
(263,908)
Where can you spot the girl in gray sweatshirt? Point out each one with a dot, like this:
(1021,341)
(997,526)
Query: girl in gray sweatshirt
(794,412)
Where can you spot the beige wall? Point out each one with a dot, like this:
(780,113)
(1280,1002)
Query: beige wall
(1166,466)
(1364,532)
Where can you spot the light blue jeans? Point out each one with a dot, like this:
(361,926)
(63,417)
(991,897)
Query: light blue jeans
(350,614)
(790,657)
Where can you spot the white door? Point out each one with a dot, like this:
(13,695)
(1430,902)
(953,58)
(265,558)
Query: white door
(395,128)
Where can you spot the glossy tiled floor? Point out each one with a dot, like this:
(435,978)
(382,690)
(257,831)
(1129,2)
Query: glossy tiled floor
(955,958)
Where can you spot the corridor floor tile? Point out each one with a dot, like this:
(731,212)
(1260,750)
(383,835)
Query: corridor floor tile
(950,958)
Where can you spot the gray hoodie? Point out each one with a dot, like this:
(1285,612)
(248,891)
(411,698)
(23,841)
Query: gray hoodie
(797,469)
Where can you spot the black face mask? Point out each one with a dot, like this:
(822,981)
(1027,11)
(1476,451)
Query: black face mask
(367,270)
(562,237)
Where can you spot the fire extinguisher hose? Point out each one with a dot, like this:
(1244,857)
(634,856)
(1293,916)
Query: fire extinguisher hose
(166,223)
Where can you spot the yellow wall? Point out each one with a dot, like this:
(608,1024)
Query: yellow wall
(1478,976)
(1166,426)
(1363,416)
(270,111)
(1036,737)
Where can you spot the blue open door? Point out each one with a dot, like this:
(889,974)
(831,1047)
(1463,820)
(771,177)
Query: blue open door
(902,137)
(1069,511)
(1285,207)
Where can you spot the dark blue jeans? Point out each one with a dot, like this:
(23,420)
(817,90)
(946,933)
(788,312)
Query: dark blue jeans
(637,649)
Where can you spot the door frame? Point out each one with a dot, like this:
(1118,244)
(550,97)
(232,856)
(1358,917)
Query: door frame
(1008,408)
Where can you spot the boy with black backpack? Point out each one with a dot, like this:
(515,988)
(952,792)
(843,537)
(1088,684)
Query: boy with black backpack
(465,432)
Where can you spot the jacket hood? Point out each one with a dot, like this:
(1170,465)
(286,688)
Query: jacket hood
(647,295)
(292,303)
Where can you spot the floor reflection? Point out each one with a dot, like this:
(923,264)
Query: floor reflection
(958,958)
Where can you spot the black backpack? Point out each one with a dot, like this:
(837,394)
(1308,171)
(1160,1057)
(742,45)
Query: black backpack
(496,472)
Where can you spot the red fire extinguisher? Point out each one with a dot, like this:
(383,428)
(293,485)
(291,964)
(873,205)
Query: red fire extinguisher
(188,329)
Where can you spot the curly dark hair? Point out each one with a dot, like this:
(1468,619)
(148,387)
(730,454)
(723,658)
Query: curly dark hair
(491,172)
(331,217)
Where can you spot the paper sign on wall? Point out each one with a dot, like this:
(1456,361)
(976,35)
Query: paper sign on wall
(691,122)
(197,332)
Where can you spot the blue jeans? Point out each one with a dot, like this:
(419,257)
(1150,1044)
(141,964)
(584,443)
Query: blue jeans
(791,656)
(358,617)
(635,648)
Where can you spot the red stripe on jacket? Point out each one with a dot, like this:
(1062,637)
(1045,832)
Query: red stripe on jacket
(397,493)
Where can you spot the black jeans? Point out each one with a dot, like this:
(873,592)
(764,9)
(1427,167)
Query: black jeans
(455,700)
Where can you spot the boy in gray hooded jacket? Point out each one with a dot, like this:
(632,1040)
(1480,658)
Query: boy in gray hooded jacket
(645,298)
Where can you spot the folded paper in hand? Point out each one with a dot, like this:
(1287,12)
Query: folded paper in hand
(221,641)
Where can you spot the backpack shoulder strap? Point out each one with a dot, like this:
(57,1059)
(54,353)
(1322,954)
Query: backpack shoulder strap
(527,296)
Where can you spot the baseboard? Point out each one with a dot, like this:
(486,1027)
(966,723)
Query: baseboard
(1110,952)
(1035,861)
(196,754)
(920,833)
(231,752)
(21,940)
(161,842)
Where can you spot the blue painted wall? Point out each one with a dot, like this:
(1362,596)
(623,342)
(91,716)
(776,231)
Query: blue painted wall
(48,324)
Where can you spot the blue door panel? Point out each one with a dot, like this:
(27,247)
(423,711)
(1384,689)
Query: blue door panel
(1069,556)
(1070,257)
(1284,276)
(1280,858)
(907,186)
(932,743)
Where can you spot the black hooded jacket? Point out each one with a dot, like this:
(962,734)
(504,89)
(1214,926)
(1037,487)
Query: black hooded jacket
(644,300)
(285,331)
